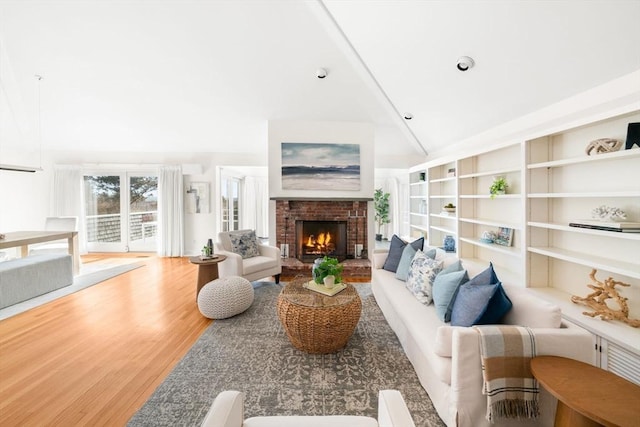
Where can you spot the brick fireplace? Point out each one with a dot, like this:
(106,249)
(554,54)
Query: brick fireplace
(326,214)
(349,215)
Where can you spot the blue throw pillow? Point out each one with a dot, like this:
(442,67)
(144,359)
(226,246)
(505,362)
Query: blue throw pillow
(405,263)
(481,299)
(395,252)
(445,288)
(498,306)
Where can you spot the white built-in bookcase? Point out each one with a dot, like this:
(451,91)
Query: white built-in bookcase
(552,181)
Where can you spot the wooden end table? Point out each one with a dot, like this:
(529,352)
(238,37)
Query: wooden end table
(587,395)
(317,323)
(207,270)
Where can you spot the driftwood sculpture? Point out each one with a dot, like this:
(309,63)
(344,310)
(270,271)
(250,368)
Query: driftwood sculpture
(597,301)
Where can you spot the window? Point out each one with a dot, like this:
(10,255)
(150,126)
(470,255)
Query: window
(229,191)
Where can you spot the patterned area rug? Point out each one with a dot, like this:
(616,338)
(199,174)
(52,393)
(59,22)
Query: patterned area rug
(251,353)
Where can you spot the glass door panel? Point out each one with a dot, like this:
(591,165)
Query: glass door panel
(143,212)
(103,203)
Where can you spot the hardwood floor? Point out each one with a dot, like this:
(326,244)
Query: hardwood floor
(94,357)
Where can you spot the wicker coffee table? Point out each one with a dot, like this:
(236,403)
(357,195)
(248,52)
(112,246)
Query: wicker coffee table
(316,323)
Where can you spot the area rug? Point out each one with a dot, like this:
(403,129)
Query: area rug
(90,275)
(251,353)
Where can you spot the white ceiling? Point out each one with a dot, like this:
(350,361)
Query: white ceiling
(206,76)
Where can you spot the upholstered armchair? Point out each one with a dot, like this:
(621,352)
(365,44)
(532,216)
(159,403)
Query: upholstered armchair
(227,410)
(246,257)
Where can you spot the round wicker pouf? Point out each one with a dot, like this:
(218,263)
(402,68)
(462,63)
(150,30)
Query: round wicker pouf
(316,323)
(225,297)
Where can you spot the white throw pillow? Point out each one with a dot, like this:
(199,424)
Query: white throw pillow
(421,276)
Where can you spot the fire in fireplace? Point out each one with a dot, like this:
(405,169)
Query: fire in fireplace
(319,238)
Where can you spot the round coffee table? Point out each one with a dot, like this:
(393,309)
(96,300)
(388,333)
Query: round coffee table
(317,323)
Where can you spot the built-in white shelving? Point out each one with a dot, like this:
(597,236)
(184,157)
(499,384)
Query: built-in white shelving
(552,182)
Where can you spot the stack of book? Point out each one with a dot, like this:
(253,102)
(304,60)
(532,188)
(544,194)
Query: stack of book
(621,227)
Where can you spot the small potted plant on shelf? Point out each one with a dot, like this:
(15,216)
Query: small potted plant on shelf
(498,186)
(381,206)
(449,207)
(327,271)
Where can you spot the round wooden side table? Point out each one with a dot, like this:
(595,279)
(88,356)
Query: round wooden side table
(207,270)
(587,395)
(317,323)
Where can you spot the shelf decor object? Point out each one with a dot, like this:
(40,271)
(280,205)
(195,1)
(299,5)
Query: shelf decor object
(597,301)
(498,186)
(633,136)
(606,213)
(603,145)
(504,236)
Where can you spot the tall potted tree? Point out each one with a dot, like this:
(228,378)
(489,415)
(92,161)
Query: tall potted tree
(381,206)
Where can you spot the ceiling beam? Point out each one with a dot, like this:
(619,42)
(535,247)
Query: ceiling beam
(335,32)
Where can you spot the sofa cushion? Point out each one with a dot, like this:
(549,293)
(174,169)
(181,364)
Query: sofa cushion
(405,262)
(445,288)
(530,310)
(244,243)
(421,276)
(395,251)
(258,263)
(416,324)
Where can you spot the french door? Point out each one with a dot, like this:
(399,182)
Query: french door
(121,211)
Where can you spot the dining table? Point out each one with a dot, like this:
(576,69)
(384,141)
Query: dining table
(22,240)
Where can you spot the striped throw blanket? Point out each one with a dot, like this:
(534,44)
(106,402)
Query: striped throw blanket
(511,390)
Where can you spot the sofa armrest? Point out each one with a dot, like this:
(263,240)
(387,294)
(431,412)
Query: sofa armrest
(227,410)
(232,266)
(392,410)
(466,371)
(379,257)
(270,251)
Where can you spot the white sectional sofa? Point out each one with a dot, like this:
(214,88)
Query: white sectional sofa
(447,358)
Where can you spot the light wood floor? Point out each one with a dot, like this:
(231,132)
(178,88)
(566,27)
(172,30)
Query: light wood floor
(94,357)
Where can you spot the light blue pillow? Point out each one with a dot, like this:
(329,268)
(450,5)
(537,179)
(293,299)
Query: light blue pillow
(445,288)
(405,263)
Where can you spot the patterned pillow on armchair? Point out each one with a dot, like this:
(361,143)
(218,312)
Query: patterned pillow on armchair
(245,244)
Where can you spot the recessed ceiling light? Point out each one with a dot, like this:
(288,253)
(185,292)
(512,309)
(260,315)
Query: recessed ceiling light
(464,63)
(408,116)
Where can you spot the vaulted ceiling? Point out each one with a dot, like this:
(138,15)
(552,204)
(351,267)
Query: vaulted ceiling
(206,76)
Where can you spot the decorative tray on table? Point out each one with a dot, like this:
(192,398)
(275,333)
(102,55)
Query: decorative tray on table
(313,286)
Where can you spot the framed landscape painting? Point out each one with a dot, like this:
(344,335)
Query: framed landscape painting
(307,166)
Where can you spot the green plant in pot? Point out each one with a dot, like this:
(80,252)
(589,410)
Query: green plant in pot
(381,206)
(498,186)
(327,267)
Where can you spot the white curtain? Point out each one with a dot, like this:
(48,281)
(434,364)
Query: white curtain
(391,186)
(170,212)
(67,197)
(255,205)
